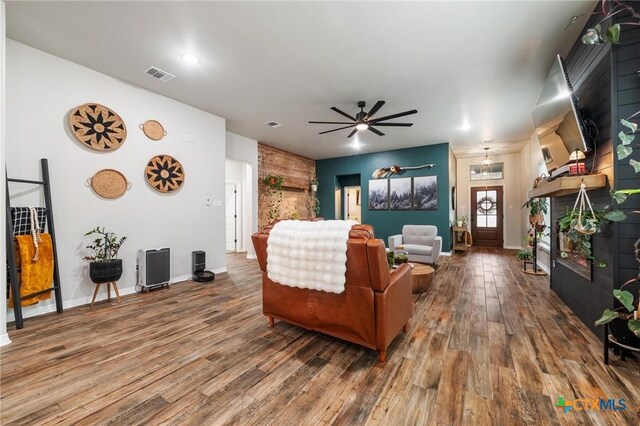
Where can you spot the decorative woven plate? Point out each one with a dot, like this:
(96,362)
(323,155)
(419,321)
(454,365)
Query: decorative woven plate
(109,183)
(164,173)
(97,127)
(153,130)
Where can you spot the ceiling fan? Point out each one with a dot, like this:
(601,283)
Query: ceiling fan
(363,120)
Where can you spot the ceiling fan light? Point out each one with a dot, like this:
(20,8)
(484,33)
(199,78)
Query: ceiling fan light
(362,126)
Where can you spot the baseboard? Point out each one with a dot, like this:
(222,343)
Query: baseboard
(4,339)
(220,270)
(445,253)
(544,268)
(40,309)
(252,256)
(513,247)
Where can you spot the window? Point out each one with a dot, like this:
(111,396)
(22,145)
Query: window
(492,172)
(546,235)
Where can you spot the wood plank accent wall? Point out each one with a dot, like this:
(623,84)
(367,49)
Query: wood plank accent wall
(589,71)
(626,89)
(297,172)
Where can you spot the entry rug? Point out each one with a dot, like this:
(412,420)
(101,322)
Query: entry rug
(309,255)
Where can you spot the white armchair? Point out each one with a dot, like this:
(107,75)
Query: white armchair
(421,242)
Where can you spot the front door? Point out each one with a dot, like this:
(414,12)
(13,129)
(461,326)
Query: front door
(486,216)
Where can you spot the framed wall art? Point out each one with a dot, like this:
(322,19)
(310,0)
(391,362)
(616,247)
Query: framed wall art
(379,194)
(425,193)
(400,194)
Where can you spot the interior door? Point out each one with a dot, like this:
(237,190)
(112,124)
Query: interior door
(486,216)
(231,217)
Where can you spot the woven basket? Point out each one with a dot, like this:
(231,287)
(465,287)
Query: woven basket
(109,183)
(164,173)
(153,130)
(97,127)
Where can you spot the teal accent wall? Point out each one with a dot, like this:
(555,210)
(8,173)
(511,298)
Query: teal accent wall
(389,222)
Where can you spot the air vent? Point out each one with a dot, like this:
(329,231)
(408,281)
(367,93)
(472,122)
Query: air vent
(159,74)
(272,124)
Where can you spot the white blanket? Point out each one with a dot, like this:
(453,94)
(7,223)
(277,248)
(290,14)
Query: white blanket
(309,254)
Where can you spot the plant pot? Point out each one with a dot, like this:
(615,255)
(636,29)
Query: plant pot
(460,223)
(536,219)
(105,272)
(623,335)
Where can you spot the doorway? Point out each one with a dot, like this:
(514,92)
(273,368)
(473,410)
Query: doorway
(487,216)
(353,210)
(231,216)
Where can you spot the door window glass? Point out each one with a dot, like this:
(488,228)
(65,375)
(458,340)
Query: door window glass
(486,209)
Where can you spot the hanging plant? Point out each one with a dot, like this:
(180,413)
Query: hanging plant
(273,187)
(273,182)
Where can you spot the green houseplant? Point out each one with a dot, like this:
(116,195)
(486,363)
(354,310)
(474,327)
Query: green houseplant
(538,207)
(105,265)
(273,185)
(524,255)
(623,320)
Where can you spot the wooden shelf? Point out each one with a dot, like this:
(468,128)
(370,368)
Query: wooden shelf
(567,185)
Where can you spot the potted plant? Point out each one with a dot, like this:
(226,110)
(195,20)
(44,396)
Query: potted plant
(461,221)
(401,258)
(538,207)
(623,321)
(528,239)
(273,185)
(524,255)
(105,266)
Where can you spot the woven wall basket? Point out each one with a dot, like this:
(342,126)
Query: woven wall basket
(164,173)
(97,127)
(153,130)
(109,183)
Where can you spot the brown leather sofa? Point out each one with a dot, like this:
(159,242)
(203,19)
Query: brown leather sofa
(371,311)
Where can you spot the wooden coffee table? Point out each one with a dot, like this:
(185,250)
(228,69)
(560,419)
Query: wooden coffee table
(421,277)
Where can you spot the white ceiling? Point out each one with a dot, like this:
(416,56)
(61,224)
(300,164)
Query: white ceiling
(483,62)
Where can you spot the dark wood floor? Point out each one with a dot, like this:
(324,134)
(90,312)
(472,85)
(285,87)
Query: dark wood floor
(486,345)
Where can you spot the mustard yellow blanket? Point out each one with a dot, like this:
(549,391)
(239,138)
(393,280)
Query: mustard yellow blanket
(34,276)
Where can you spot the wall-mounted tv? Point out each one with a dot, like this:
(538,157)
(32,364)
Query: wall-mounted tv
(557,119)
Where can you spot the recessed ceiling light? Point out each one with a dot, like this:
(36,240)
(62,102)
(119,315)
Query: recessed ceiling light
(189,58)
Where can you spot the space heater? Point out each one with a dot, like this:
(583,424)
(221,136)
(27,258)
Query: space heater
(154,268)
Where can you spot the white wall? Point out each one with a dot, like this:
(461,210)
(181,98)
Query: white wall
(4,337)
(531,155)
(41,90)
(246,150)
(511,187)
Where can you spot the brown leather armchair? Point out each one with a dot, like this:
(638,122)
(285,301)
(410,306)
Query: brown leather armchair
(371,311)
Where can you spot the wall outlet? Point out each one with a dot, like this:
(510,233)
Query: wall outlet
(188,138)
(217,203)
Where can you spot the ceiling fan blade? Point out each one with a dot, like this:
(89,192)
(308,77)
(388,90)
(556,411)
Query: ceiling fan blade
(329,122)
(373,110)
(389,117)
(343,113)
(352,133)
(395,124)
(335,130)
(376,131)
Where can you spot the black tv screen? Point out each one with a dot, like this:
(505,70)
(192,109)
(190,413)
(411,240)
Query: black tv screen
(557,119)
